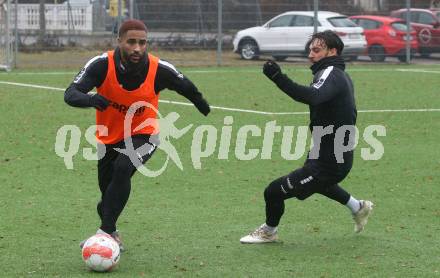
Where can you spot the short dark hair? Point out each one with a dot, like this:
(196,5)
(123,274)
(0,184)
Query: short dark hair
(131,24)
(330,38)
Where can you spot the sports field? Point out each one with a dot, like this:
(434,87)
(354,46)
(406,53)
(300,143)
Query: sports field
(187,223)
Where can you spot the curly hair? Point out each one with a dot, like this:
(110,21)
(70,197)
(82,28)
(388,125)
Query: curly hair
(329,38)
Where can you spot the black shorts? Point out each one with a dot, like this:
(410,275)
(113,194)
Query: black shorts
(139,151)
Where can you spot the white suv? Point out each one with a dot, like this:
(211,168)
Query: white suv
(287,34)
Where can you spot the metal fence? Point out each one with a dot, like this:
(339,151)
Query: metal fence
(173,24)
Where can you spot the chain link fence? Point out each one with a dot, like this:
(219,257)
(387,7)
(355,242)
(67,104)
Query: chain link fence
(177,28)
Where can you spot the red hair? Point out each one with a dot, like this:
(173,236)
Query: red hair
(131,24)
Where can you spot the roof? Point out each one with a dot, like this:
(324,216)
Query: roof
(321,14)
(384,19)
(416,10)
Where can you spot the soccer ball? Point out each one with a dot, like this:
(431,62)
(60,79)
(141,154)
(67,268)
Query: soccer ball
(101,252)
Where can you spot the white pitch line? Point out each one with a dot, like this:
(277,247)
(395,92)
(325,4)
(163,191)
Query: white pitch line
(248,71)
(232,109)
(418,70)
(42,73)
(287,70)
(400,110)
(32,86)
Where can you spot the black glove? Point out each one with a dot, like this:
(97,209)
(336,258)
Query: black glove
(99,102)
(271,70)
(203,106)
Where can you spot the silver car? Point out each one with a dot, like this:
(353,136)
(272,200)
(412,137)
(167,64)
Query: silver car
(287,34)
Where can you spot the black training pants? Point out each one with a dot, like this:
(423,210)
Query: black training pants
(115,170)
(301,184)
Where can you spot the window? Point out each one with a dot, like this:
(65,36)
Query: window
(303,20)
(341,21)
(413,17)
(282,21)
(400,26)
(425,18)
(368,24)
(401,15)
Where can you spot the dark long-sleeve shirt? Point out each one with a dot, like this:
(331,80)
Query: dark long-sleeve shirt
(95,71)
(331,102)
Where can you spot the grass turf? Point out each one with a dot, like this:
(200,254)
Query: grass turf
(188,223)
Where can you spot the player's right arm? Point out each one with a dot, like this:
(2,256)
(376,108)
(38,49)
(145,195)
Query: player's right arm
(327,87)
(91,76)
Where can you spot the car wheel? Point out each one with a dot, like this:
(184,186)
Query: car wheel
(376,53)
(249,50)
(279,58)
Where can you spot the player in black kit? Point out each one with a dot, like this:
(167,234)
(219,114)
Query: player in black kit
(332,123)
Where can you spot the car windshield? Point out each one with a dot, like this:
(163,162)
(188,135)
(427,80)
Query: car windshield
(437,14)
(341,21)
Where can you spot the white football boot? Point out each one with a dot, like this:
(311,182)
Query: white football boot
(361,216)
(260,235)
(115,235)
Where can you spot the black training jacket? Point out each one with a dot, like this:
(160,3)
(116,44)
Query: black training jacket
(331,102)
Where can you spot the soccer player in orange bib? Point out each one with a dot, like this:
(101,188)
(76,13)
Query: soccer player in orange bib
(128,81)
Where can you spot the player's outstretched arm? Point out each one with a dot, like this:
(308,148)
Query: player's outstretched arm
(190,92)
(315,94)
(169,77)
(203,106)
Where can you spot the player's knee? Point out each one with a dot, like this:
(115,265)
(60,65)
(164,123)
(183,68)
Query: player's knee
(273,191)
(300,189)
(267,194)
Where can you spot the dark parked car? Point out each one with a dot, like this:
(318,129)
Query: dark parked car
(427,25)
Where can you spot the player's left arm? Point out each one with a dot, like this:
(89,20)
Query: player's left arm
(168,77)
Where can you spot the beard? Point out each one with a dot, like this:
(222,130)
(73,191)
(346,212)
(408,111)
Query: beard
(133,66)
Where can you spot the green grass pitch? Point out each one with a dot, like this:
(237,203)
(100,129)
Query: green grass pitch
(188,223)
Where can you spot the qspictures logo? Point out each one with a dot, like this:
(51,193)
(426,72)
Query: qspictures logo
(215,142)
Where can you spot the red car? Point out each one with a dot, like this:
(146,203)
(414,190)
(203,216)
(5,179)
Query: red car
(386,36)
(427,25)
